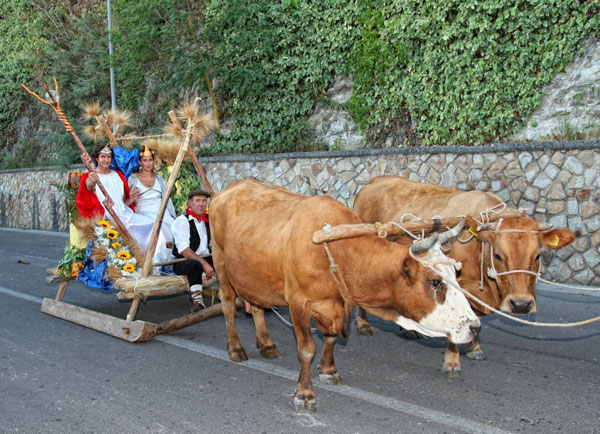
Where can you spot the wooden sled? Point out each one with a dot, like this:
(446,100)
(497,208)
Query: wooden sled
(130,329)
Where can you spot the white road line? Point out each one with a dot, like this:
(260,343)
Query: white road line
(425,413)
(20,295)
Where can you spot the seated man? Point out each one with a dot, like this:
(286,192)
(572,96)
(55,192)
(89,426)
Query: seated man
(191,236)
(90,199)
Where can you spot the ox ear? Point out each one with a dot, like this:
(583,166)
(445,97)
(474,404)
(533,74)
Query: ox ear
(410,269)
(557,238)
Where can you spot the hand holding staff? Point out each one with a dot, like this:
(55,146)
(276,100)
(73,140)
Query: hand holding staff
(85,157)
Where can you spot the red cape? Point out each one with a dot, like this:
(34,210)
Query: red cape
(87,202)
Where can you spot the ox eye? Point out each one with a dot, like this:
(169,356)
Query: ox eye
(436,283)
(537,258)
(498,257)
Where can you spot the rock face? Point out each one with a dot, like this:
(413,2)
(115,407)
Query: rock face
(571,101)
(570,105)
(559,186)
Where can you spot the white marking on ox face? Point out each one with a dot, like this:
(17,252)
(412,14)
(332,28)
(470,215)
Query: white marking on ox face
(454,317)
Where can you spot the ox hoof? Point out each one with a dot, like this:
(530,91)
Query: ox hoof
(411,334)
(238,355)
(331,379)
(364,330)
(305,405)
(476,355)
(269,352)
(451,371)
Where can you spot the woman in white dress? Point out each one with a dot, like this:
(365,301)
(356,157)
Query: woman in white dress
(151,188)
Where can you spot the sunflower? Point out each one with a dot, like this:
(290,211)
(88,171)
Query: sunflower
(115,245)
(104,224)
(123,254)
(112,234)
(129,268)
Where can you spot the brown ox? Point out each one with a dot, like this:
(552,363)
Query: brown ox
(263,252)
(515,247)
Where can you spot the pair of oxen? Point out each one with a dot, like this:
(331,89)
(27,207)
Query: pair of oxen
(263,251)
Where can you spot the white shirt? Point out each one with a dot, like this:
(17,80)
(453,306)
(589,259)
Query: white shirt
(181,234)
(116,190)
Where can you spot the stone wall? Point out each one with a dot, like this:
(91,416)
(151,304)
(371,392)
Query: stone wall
(557,182)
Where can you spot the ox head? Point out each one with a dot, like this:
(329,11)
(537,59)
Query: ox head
(514,258)
(444,311)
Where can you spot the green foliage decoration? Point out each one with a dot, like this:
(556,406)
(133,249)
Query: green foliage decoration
(71,255)
(473,69)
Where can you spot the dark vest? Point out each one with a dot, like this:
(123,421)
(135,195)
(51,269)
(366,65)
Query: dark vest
(194,236)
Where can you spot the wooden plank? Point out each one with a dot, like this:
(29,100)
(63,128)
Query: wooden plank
(131,331)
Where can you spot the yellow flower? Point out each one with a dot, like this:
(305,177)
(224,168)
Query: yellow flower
(104,224)
(112,234)
(115,245)
(206,210)
(123,254)
(129,268)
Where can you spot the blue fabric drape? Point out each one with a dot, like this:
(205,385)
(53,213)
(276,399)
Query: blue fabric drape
(93,272)
(125,161)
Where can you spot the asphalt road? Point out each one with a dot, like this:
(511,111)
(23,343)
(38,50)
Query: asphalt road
(58,377)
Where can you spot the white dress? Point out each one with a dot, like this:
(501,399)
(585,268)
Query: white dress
(148,205)
(139,225)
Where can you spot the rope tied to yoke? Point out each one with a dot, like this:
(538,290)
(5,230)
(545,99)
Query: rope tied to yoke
(338,279)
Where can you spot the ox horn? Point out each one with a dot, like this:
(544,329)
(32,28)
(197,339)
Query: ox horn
(424,245)
(545,226)
(452,233)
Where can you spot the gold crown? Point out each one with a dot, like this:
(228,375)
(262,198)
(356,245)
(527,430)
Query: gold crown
(147,152)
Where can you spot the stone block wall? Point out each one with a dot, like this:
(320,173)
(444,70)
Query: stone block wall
(557,182)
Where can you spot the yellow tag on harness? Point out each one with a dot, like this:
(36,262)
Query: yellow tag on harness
(555,240)
(473,232)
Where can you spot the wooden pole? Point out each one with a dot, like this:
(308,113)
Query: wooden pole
(102,121)
(193,318)
(339,232)
(63,118)
(195,162)
(146,270)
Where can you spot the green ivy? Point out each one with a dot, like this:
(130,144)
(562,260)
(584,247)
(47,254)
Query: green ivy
(275,59)
(473,70)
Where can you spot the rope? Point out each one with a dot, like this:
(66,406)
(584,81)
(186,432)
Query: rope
(128,138)
(484,304)
(286,322)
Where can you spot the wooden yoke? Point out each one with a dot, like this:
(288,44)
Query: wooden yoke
(339,232)
(55,104)
(195,162)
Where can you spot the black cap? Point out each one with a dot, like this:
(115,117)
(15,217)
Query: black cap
(198,192)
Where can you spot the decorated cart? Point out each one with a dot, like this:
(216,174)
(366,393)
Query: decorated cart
(112,254)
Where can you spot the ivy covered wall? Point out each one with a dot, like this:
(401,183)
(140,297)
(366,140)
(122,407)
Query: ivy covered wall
(455,72)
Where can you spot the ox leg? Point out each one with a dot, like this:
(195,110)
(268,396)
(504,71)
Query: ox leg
(474,350)
(451,366)
(263,340)
(227,296)
(328,372)
(304,395)
(362,323)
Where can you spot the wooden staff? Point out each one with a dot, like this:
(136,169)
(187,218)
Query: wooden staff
(192,154)
(147,269)
(89,165)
